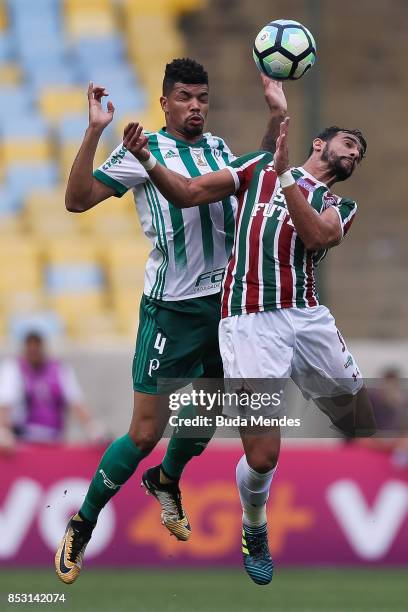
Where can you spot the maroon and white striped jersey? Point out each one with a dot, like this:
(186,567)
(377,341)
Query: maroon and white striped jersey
(270,267)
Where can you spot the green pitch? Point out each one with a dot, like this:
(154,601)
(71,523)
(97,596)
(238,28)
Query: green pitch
(300,590)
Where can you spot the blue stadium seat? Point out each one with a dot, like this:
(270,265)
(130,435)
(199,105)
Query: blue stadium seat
(14,101)
(73,278)
(24,126)
(53,74)
(97,51)
(21,178)
(117,76)
(10,202)
(72,128)
(7,48)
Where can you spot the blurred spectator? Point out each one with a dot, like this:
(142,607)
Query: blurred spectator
(36,393)
(390,405)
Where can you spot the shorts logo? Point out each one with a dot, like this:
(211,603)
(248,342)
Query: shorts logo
(154,364)
(107,482)
(160,343)
(349,362)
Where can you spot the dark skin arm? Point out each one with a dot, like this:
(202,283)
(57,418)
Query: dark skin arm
(83,190)
(181,191)
(316,231)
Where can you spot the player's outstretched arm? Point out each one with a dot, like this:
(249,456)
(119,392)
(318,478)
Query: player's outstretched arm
(276,100)
(181,191)
(83,190)
(316,231)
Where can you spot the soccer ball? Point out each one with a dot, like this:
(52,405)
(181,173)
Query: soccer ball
(284,49)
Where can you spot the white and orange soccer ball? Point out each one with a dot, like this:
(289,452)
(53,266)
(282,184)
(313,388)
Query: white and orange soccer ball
(284,50)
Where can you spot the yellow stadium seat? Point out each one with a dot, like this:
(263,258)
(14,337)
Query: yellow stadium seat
(13,150)
(96,325)
(45,201)
(3,17)
(126,306)
(89,19)
(19,274)
(11,225)
(46,216)
(10,74)
(23,301)
(68,151)
(55,102)
(71,251)
(91,5)
(161,7)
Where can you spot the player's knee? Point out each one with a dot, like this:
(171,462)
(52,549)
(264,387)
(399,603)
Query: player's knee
(144,440)
(262,462)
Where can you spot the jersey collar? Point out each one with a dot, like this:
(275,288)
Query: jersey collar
(200,143)
(308,175)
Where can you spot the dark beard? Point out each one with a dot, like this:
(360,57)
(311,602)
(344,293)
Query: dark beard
(192,131)
(341,172)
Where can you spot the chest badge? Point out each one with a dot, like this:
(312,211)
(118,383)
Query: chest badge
(199,157)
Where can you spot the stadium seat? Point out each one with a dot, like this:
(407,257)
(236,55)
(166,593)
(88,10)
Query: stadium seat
(21,178)
(93,18)
(49,204)
(10,74)
(55,102)
(126,306)
(16,102)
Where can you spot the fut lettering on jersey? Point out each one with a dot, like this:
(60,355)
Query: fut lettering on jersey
(269,267)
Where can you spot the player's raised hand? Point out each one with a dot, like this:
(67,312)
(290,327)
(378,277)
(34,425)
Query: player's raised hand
(98,116)
(135,141)
(274,95)
(281,157)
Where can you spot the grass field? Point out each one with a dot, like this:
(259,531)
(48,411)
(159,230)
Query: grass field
(295,590)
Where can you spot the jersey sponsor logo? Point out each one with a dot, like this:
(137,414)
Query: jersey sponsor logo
(214,277)
(306,184)
(108,482)
(160,343)
(170,154)
(198,157)
(116,158)
(154,365)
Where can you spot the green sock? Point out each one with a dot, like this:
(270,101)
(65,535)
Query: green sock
(117,465)
(182,446)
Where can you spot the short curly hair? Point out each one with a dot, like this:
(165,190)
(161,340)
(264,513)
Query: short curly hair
(183,70)
(330,132)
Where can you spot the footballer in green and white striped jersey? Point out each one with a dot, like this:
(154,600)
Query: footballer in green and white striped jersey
(191,246)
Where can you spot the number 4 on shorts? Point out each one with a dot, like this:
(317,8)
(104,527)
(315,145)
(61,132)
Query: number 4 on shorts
(159,343)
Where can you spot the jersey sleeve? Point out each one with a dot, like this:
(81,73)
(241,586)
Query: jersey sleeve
(225,149)
(121,171)
(242,168)
(346,209)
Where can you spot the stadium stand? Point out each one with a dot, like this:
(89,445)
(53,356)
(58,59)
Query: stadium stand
(81,275)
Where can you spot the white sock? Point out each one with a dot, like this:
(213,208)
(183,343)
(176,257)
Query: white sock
(253,490)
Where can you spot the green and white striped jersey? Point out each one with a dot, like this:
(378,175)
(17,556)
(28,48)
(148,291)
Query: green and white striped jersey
(191,246)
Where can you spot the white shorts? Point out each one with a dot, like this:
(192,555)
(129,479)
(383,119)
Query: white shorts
(303,344)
